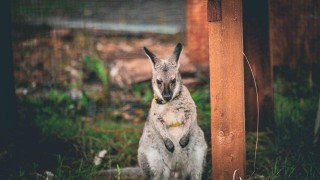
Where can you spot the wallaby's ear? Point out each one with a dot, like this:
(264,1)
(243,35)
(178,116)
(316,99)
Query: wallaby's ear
(151,56)
(176,53)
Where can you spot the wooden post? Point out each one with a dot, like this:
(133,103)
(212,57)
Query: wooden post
(255,42)
(197,31)
(227,92)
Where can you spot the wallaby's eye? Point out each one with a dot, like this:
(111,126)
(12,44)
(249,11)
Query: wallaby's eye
(159,81)
(173,81)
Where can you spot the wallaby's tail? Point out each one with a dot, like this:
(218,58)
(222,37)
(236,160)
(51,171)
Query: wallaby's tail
(122,173)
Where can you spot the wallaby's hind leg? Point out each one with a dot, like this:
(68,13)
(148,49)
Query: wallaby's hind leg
(152,165)
(198,158)
(144,164)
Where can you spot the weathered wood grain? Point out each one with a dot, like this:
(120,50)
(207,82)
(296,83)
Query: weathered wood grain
(197,31)
(227,92)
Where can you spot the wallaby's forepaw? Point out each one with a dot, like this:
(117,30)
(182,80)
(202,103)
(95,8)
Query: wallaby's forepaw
(169,145)
(184,140)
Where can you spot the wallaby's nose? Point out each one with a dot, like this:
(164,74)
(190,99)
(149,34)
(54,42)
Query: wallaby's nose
(166,97)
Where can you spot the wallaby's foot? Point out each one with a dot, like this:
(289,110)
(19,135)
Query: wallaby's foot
(169,145)
(184,141)
(195,176)
(152,164)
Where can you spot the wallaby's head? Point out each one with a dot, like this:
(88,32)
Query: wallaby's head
(166,79)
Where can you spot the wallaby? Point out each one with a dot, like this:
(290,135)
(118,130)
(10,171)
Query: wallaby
(172,145)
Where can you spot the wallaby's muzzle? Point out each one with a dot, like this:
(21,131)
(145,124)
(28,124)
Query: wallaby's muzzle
(167,93)
(166,97)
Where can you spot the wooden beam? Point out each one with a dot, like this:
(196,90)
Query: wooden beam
(197,31)
(294,35)
(255,41)
(214,10)
(227,92)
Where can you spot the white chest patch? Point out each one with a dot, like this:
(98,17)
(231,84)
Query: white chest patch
(161,108)
(173,119)
(176,133)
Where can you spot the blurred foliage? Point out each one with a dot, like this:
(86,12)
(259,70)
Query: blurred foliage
(96,65)
(142,91)
(201,97)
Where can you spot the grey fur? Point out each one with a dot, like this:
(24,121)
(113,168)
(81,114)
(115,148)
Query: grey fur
(172,145)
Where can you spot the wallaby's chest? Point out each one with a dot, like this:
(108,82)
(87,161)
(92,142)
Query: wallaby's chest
(171,115)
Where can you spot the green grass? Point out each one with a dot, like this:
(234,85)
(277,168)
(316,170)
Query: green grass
(287,150)
(74,138)
(96,65)
(60,120)
(296,154)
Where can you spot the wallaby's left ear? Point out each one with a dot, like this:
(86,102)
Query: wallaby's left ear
(151,56)
(176,53)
